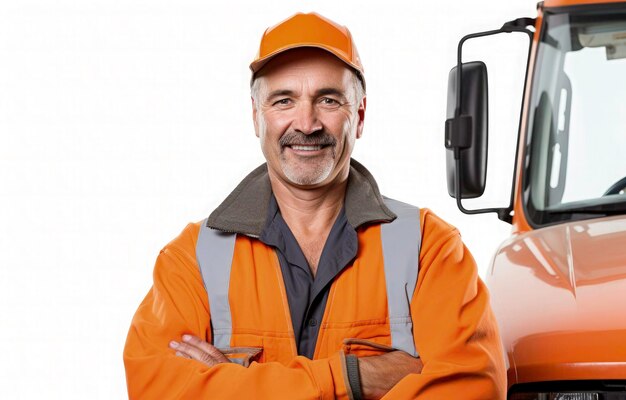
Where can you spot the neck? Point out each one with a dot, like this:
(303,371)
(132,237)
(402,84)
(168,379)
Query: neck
(312,210)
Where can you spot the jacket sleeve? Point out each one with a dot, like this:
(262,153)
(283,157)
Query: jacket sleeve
(455,331)
(177,304)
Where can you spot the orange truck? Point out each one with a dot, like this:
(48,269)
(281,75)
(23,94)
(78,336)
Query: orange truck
(558,284)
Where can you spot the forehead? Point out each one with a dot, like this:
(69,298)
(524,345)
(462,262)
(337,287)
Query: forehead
(306,66)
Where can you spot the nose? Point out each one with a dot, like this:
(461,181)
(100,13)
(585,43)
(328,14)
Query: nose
(306,119)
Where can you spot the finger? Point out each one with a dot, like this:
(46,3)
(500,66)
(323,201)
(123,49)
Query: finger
(193,352)
(206,347)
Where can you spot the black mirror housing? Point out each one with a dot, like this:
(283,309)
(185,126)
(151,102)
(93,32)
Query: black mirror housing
(467,124)
(467,130)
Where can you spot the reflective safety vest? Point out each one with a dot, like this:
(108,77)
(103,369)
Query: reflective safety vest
(244,286)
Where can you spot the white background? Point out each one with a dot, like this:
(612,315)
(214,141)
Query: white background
(121,121)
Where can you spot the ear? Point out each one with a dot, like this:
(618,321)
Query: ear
(361,114)
(256,126)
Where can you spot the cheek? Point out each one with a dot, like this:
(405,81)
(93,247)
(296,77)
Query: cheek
(346,128)
(277,123)
(337,122)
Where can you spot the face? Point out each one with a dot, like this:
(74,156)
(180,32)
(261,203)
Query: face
(307,116)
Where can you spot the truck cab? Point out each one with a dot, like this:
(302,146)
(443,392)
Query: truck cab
(558,284)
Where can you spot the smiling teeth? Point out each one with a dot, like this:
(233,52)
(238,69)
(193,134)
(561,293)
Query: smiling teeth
(306,148)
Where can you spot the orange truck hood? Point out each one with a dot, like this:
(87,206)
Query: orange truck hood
(566,3)
(559,294)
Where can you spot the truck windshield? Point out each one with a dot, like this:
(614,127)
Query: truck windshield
(576,149)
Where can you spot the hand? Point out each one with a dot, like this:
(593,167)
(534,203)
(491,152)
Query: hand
(197,349)
(380,373)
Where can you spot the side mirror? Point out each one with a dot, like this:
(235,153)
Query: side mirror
(466,130)
(466,124)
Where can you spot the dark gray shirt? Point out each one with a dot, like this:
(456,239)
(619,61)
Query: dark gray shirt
(252,210)
(307,295)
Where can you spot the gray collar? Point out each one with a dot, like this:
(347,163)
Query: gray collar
(245,209)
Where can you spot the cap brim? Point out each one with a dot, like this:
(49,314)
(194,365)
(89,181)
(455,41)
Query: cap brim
(257,65)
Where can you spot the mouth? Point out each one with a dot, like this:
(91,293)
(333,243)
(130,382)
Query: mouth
(300,147)
(307,150)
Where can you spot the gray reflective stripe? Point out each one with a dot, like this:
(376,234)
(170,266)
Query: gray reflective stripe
(214,252)
(401,241)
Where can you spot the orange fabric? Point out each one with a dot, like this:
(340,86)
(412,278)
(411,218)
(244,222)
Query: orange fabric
(455,331)
(307,30)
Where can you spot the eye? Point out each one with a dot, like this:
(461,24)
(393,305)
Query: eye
(282,102)
(329,102)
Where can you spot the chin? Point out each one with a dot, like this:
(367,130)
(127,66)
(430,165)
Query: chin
(300,180)
(309,176)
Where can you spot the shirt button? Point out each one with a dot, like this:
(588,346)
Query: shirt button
(312,322)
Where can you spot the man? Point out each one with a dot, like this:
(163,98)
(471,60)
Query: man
(304,282)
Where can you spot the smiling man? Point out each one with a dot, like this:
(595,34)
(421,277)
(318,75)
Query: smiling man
(306,282)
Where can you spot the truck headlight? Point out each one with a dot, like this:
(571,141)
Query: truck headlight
(562,396)
(570,390)
(568,396)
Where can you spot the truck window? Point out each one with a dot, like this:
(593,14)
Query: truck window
(576,153)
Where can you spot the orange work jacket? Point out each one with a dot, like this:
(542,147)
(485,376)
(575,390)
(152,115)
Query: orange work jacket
(454,329)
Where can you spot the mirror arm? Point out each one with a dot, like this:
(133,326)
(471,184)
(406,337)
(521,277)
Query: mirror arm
(455,127)
(517,25)
(458,134)
(504,213)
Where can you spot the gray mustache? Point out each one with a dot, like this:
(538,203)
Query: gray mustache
(319,138)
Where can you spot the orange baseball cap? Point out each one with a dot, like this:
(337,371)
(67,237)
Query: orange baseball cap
(308,30)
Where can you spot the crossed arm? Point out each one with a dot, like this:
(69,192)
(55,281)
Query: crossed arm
(455,334)
(378,373)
